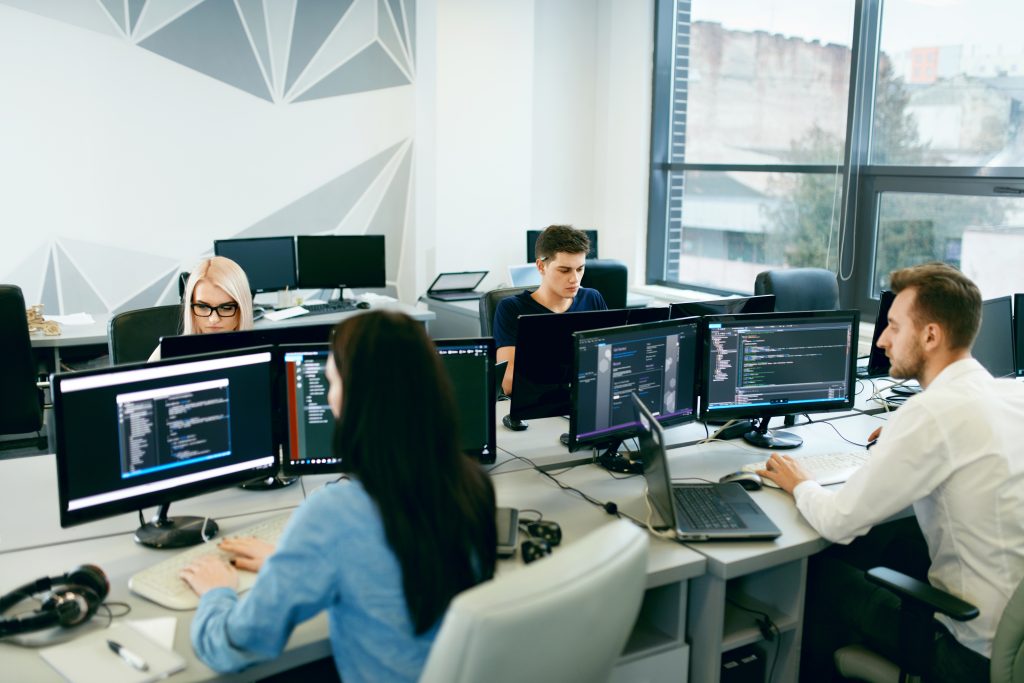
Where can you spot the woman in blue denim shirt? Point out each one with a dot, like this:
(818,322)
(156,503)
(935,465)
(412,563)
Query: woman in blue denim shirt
(384,550)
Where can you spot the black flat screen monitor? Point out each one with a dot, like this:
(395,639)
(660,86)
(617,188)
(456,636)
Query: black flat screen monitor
(274,335)
(329,261)
(268,262)
(993,347)
(649,314)
(878,362)
(542,373)
(1018,332)
(656,360)
(531,244)
(762,303)
(139,435)
(470,365)
(763,364)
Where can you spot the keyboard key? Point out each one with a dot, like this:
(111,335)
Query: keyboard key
(824,468)
(703,508)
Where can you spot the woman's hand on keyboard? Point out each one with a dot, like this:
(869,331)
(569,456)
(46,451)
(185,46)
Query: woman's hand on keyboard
(247,553)
(784,471)
(209,572)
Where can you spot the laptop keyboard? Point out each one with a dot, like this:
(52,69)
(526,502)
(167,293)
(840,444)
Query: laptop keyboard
(703,508)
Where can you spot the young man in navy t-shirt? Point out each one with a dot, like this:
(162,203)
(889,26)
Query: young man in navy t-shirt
(561,259)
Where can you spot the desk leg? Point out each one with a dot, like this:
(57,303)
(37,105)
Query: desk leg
(705,623)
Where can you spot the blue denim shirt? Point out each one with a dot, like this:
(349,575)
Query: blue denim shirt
(332,556)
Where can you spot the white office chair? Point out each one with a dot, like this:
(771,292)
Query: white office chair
(563,618)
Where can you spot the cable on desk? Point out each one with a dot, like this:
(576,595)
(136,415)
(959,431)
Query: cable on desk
(714,437)
(768,629)
(110,613)
(836,430)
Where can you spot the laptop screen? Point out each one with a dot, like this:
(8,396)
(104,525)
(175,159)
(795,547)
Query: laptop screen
(447,282)
(652,454)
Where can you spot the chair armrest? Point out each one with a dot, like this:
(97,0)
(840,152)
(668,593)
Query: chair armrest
(907,588)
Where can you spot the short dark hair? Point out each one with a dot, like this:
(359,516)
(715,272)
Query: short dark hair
(944,296)
(561,238)
(398,433)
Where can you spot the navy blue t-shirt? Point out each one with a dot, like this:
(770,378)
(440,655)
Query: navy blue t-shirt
(506,317)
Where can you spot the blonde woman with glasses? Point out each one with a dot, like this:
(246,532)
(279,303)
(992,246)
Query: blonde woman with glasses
(217,299)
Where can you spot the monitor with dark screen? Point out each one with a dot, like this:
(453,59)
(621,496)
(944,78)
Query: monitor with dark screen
(878,362)
(764,364)
(470,365)
(329,261)
(135,436)
(531,244)
(268,262)
(656,360)
(763,303)
(649,314)
(1018,332)
(542,373)
(993,347)
(192,344)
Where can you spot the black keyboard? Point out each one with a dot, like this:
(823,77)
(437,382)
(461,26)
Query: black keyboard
(336,306)
(703,508)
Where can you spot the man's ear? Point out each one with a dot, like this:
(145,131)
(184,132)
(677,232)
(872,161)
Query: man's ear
(933,336)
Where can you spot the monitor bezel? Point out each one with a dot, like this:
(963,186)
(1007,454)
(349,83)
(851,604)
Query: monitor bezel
(741,412)
(380,261)
(629,430)
(136,503)
(876,355)
(1018,333)
(678,309)
(290,239)
(999,300)
(492,431)
(177,346)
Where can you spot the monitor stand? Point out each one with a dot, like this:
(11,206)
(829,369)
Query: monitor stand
(614,461)
(268,483)
(174,532)
(762,438)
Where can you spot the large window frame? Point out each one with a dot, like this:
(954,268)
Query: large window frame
(863,183)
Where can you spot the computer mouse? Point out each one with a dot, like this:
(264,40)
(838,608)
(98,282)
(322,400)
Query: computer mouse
(748,480)
(363,304)
(514,425)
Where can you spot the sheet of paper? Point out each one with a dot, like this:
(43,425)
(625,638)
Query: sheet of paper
(160,630)
(285,313)
(72,319)
(88,659)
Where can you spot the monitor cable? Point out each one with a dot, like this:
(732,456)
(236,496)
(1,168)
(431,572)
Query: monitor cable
(769,630)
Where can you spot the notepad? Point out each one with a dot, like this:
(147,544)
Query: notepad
(89,660)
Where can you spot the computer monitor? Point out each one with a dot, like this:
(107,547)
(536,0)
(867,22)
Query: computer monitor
(648,314)
(531,244)
(762,303)
(657,361)
(268,262)
(274,335)
(308,443)
(878,362)
(329,261)
(759,365)
(1018,332)
(542,372)
(470,365)
(135,436)
(993,347)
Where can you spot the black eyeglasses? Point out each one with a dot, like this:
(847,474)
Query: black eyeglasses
(223,311)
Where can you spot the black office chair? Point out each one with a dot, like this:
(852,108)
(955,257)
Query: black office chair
(800,289)
(610,277)
(182,281)
(132,335)
(919,601)
(489,304)
(21,401)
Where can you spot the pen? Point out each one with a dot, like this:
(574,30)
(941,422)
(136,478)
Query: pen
(134,661)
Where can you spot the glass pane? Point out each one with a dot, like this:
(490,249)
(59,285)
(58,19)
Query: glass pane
(759,79)
(982,236)
(950,84)
(725,228)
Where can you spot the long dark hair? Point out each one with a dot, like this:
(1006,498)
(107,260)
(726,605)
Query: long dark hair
(398,433)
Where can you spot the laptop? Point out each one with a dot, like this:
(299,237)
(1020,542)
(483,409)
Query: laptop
(525,275)
(696,512)
(457,286)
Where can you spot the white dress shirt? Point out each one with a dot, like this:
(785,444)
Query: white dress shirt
(956,453)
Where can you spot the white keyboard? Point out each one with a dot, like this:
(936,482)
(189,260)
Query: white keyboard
(161,583)
(824,468)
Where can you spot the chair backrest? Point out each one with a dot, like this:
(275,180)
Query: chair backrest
(1008,645)
(610,277)
(489,304)
(21,405)
(563,618)
(132,335)
(800,289)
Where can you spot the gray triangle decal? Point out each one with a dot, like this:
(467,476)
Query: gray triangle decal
(49,300)
(150,296)
(371,69)
(134,10)
(116,10)
(256,21)
(76,292)
(389,220)
(314,21)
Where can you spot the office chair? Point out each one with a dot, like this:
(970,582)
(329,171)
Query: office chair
(132,335)
(919,601)
(489,304)
(563,618)
(610,277)
(21,401)
(182,281)
(800,289)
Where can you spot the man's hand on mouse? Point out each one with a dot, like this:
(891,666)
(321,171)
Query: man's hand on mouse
(784,471)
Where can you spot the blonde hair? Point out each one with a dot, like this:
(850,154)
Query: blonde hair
(226,275)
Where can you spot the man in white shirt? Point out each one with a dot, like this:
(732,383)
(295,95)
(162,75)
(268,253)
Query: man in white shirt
(954,452)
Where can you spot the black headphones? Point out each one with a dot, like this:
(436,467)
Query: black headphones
(67,600)
(543,536)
